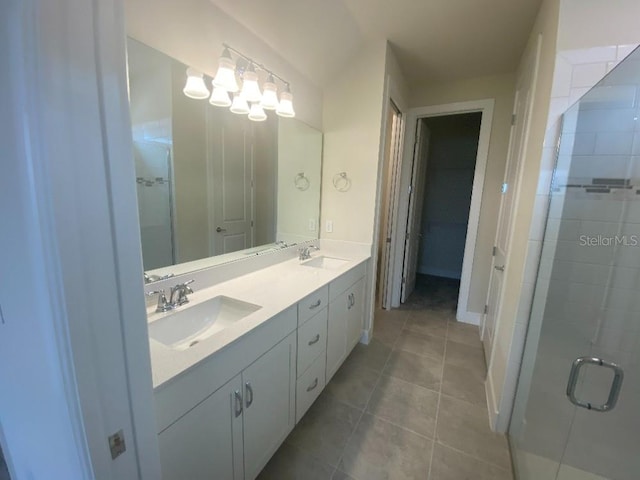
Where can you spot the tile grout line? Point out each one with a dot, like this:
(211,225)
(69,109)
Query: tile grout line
(435,430)
(366,405)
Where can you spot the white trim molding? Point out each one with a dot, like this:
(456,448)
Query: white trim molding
(486,108)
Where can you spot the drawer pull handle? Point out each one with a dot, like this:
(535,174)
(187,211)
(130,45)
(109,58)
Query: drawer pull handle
(315,305)
(313,385)
(249,399)
(238,397)
(315,340)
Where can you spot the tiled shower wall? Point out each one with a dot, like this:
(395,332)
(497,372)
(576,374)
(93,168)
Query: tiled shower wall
(586,284)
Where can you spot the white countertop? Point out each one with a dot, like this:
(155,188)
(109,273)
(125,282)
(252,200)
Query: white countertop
(275,289)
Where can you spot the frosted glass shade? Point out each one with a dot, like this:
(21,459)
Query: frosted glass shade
(257,113)
(195,87)
(239,105)
(226,75)
(220,97)
(269,95)
(250,88)
(285,108)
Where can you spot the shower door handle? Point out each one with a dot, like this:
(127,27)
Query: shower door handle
(614,392)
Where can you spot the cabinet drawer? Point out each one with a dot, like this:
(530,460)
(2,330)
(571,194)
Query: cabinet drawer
(309,386)
(347,279)
(312,304)
(312,340)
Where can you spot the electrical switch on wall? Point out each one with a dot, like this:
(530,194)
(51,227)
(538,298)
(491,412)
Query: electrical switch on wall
(329,226)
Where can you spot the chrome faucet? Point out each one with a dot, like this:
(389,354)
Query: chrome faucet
(179,294)
(304,253)
(177,297)
(163,304)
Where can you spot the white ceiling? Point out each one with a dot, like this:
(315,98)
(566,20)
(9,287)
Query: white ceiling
(434,40)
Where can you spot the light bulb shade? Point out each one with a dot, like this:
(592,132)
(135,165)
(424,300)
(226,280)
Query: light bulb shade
(226,75)
(195,87)
(269,95)
(285,108)
(239,105)
(250,88)
(220,97)
(257,113)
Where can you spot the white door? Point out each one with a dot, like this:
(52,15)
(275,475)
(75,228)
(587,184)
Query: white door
(269,404)
(416,202)
(517,145)
(231,181)
(206,443)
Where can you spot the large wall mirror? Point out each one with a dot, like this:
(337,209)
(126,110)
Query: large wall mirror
(214,186)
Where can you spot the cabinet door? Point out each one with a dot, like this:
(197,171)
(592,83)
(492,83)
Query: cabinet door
(355,316)
(206,443)
(337,333)
(269,404)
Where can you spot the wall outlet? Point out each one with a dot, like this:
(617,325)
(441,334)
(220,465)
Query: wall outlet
(312,224)
(329,226)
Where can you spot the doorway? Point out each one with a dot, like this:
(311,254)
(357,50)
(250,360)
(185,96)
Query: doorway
(409,242)
(390,169)
(448,170)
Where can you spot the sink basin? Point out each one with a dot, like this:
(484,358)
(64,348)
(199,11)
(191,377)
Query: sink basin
(329,263)
(187,327)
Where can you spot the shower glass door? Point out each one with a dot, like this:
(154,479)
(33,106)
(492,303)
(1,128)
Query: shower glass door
(577,410)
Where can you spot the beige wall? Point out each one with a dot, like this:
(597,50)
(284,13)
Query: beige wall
(192,31)
(502,89)
(352,119)
(596,23)
(547,26)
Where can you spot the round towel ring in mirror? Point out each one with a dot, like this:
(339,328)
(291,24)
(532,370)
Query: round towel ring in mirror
(301,181)
(341,182)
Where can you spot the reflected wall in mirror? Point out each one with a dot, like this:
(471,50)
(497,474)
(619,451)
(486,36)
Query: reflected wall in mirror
(214,186)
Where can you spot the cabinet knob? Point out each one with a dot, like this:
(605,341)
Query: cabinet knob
(316,339)
(238,398)
(249,397)
(313,385)
(315,305)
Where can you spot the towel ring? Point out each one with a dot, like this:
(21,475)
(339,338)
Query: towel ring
(341,182)
(301,182)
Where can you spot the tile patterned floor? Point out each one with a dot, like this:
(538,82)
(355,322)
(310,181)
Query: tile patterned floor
(410,405)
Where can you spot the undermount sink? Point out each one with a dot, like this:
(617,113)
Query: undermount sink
(182,329)
(322,261)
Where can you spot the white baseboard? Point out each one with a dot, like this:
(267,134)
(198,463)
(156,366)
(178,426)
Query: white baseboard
(472,318)
(491,402)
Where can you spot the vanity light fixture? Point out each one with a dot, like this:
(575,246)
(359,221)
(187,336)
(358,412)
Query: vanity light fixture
(285,108)
(248,100)
(269,94)
(226,75)
(220,97)
(195,87)
(239,105)
(257,113)
(250,88)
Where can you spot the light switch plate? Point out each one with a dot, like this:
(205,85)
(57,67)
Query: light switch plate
(312,225)
(329,226)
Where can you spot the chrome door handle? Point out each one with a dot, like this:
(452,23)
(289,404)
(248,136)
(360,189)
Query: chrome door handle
(315,305)
(499,268)
(238,398)
(614,392)
(313,385)
(220,229)
(249,399)
(316,339)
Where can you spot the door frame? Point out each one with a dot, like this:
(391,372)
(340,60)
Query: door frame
(485,107)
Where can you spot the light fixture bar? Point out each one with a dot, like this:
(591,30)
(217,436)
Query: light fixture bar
(259,65)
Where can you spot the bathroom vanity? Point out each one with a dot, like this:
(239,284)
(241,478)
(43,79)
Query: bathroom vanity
(236,368)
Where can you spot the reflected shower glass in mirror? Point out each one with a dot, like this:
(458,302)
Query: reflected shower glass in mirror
(214,186)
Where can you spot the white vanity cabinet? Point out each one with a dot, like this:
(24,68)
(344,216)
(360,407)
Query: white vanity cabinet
(346,317)
(232,433)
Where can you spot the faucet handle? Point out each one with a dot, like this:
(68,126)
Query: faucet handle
(163,304)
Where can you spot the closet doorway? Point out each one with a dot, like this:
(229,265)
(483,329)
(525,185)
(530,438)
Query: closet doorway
(440,192)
